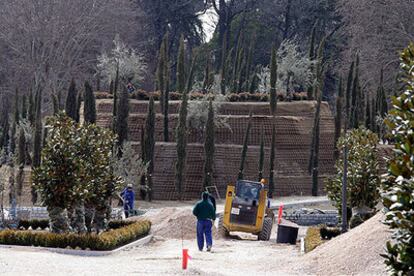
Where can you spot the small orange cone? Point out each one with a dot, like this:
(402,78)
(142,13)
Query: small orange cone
(186,257)
(280,214)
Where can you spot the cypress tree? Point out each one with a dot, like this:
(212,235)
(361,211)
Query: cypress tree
(348,93)
(245,148)
(223,68)
(37,140)
(16,107)
(338,116)
(355,96)
(122,117)
(4,142)
(70,105)
(313,167)
(78,106)
(149,142)
(111,87)
(181,135)
(32,108)
(181,67)
(261,155)
(12,141)
(24,106)
(143,191)
(162,64)
(272,160)
(240,74)
(249,62)
(89,108)
(209,147)
(273,79)
(382,104)
(208,74)
(55,104)
(368,114)
(237,64)
(312,57)
(166,94)
(21,148)
(253,82)
(115,101)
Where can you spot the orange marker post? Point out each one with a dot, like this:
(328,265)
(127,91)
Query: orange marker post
(186,257)
(280,214)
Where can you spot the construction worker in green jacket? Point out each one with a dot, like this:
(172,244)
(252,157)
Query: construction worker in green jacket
(206,214)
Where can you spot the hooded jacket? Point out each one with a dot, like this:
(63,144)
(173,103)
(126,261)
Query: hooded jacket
(203,209)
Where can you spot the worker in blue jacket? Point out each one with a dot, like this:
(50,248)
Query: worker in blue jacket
(128,197)
(206,214)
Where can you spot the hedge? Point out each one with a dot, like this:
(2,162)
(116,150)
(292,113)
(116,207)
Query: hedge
(232,97)
(44,223)
(105,241)
(312,239)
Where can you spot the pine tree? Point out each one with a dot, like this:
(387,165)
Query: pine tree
(89,108)
(348,95)
(78,106)
(338,116)
(272,160)
(181,67)
(122,117)
(245,148)
(223,68)
(314,156)
(181,135)
(70,105)
(209,147)
(24,106)
(312,56)
(149,142)
(261,155)
(273,79)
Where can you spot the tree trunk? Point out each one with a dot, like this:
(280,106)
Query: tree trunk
(59,221)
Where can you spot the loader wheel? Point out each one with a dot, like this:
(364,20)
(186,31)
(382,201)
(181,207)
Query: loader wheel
(221,229)
(264,235)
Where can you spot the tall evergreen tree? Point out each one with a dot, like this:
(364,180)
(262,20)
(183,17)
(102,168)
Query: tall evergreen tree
(149,142)
(111,87)
(181,67)
(354,123)
(122,117)
(249,63)
(223,68)
(181,135)
(70,105)
(245,148)
(273,79)
(161,77)
(24,106)
(261,155)
(312,57)
(338,116)
(89,110)
(21,160)
(368,114)
(78,106)
(55,103)
(37,140)
(32,108)
(4,141)
(209,147)
(115,101)
(272,160)
(314,156)
(348,94)
(16,107)
(166,95)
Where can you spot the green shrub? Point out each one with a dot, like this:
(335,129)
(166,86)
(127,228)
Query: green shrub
(34,223)
(125,233)
(313,238)
(398,183)
(363,173)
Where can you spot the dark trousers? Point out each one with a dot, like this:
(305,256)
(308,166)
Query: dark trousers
(204,230)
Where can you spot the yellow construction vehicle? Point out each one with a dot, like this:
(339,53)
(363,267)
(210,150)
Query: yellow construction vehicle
(246,210)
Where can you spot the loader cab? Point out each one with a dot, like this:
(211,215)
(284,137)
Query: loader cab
(246,202)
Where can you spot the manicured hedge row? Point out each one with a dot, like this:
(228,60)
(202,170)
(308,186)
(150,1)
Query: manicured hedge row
(232,97)
(44,223)
(105,241)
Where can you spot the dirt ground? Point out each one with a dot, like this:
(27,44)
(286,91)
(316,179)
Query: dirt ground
(174,229)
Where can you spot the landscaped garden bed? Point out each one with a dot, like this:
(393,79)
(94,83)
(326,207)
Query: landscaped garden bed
(118,234)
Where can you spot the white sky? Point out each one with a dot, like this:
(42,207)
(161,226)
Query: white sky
(209,20)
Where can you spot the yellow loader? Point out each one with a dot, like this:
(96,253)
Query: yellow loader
(246,210)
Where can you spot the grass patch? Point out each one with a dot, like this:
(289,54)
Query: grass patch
(114,238)
(313,238)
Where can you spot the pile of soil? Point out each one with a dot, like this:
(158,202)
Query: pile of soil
(174,223)
(354,253)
